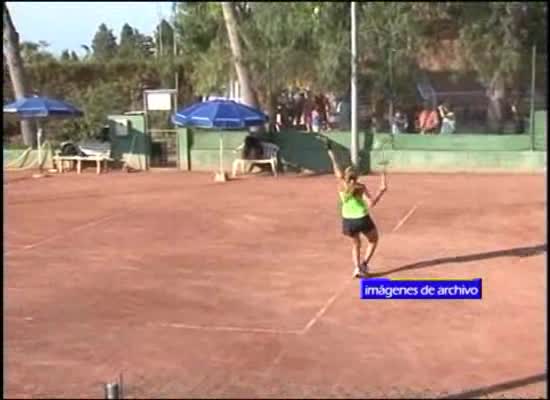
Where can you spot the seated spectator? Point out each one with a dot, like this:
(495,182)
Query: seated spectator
(252,149)
(399,123)
(428,120)
(447,119)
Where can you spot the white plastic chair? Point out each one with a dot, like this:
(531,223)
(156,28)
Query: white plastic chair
(270,152)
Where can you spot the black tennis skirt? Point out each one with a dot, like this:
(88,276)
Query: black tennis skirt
(353,226)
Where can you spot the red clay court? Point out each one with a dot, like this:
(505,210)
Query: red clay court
(192,288)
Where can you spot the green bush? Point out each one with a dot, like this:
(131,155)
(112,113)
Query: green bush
(100,89)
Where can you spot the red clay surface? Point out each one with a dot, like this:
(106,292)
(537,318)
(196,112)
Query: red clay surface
(192,288)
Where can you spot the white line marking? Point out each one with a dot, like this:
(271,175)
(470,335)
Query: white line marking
(275,361)
(278,359)
(66,363)
(129,269)
(302,331)
(404,219)
(323,309)
(66,233)
(240,329)
(230,329)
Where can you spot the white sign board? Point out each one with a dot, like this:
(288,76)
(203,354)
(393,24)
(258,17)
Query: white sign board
(159,101)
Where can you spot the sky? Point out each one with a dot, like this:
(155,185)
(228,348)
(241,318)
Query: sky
(70,24)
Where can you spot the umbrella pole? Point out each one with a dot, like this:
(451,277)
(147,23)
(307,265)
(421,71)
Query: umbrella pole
(221,154)
(220,176)
(39,141)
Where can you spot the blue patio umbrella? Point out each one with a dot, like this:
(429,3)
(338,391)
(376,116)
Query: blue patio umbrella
(220,114)
(39,108)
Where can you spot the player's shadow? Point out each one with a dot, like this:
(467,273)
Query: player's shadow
(499,387)
(528,251)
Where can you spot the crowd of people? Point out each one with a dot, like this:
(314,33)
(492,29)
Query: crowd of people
(317,112)
(430,120)
(305,110)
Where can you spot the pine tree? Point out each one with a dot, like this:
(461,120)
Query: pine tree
(104,44)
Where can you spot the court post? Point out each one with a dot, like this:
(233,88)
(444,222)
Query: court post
(354,140)
(532,113)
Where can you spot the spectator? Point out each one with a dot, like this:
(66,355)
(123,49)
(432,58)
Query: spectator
(290,109)
(428,120)
(374,124)
(519,122)
(279,118)
(252,149)
(412,115)
(299,99)
(331,111)
(322,105)
(447,119)
(316,120)
(399,123)
(307,110)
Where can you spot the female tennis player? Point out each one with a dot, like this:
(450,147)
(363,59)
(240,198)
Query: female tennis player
(356,217)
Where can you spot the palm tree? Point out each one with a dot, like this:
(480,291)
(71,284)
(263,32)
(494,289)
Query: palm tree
(87,50)
(17,72)
(249,94)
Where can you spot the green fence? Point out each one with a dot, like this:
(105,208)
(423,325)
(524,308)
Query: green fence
(301,151)
(540,133)
(129,143)
(462,142)
(199,150)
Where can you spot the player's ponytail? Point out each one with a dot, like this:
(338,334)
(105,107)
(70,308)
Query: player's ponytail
(350,179)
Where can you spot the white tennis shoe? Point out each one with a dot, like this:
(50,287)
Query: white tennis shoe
(362,271)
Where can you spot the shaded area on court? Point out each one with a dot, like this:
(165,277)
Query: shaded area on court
(526,251)
(499,387)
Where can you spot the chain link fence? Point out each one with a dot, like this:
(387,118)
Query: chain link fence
(460,102)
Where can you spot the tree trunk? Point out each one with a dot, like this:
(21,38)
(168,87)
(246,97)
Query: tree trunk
(17,72)
(495,112)
(249,94)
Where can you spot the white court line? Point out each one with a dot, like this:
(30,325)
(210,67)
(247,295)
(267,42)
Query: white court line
(230,329)
(402,221)
(66,233)
(275,362)
(302,331)
(323,309)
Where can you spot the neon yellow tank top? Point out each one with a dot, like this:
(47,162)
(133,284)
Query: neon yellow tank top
(353,207)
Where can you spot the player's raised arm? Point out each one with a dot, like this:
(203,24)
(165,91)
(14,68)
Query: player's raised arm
(336,168)
(383,188)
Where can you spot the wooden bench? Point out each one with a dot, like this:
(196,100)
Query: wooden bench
(270,152)
(59,161)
